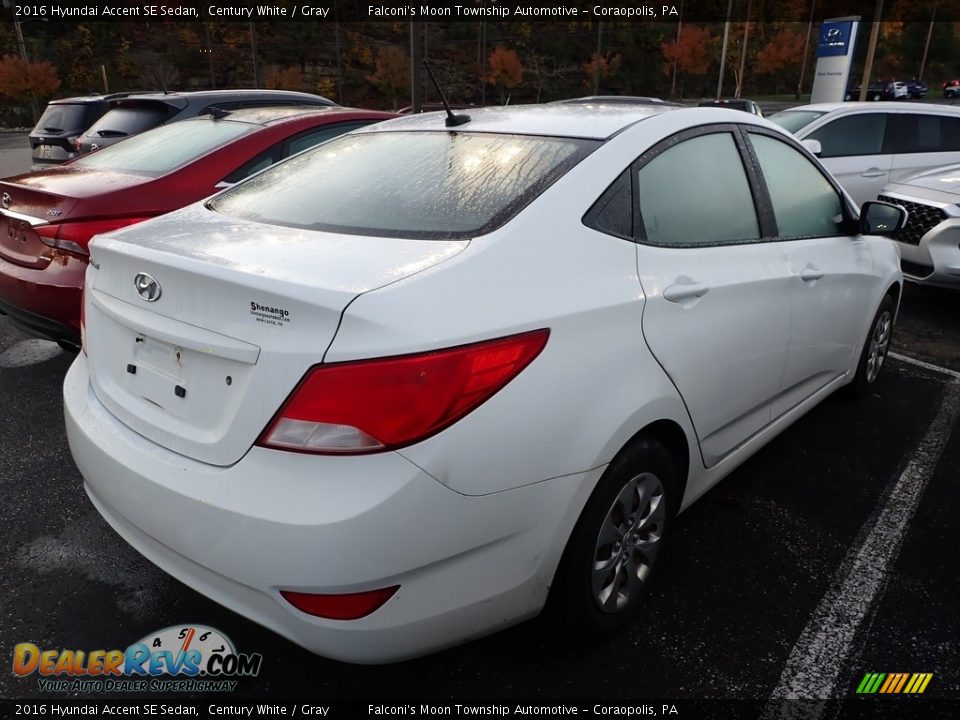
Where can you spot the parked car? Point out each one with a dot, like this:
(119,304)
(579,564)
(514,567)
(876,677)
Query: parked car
(917,89)
(405,388)
(53,139)
(867,147)
(951,88)
(899,90)
(136,113)
(876,91)
(930,241)
(47,218)
(734,104)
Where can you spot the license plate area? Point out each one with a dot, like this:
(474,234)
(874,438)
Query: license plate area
(159,372)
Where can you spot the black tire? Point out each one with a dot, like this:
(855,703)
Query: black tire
(875,349)
(579,584)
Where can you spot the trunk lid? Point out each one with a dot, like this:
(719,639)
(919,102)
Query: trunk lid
(23,207)
(239,312)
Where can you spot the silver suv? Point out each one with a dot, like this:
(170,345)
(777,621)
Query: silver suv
(930,240)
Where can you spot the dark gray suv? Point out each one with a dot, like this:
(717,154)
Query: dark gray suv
(137,113)
(53,140)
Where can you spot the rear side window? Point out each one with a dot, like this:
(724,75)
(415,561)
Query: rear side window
(804,202)
(696,193)
(613,212)
(406,184)
(915,133)
(130,120)
(859,134)
(167,147)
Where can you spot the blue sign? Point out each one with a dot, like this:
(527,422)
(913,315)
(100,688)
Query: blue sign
(834,39)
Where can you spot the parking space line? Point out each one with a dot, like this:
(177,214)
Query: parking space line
(812,671)
(928,366)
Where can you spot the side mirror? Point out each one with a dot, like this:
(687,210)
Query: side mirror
(813,146)
(880,218)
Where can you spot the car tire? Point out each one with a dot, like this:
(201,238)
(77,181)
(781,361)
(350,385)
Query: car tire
(607,563)
(875,350)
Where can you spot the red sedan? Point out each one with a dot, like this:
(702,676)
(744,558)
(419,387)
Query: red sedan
(48,217)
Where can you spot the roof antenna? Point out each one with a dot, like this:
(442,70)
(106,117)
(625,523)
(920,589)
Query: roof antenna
(452,120)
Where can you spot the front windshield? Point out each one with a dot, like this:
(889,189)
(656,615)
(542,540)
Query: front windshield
(428,185)
(793,120)
(165,148)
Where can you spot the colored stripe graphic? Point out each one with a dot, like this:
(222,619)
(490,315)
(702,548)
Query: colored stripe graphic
(894,683)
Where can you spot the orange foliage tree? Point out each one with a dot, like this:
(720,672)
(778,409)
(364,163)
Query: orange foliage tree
(392,74)
(20,80)
(782,55)
(506,70)
(691,52)
(601,67)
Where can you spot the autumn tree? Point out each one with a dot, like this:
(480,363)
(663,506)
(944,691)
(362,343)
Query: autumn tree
(600,67)
(290,78)
(21,80)
(781,57)
(691,51)
(392,74)
(506,71)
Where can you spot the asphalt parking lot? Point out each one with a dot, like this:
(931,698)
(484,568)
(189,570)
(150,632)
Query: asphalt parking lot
(830,554)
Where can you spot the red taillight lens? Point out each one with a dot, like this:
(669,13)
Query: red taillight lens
(74,237)
(382,404)
(340,607)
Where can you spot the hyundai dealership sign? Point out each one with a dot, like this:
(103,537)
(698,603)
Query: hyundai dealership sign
(834,58)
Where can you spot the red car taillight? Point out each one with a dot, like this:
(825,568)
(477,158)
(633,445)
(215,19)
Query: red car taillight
(340,607)
(386,403)
(74,237)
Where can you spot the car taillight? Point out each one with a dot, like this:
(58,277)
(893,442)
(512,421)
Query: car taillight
(387,403)
(74,237)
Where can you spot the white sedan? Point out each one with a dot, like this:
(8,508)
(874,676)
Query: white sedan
(414,385)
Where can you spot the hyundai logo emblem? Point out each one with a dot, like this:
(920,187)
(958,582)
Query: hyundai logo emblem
(6,200)
(147,287)
(833,33)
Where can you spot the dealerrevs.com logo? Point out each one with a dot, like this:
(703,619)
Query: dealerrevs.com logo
(180,658)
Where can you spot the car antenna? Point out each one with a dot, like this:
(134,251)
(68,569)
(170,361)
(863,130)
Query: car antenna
(452,120)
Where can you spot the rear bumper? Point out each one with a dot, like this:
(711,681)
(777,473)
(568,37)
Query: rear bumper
(466,566)
(44,302)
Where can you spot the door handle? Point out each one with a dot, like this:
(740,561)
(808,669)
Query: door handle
(809,274)
(678,292)
(873,172)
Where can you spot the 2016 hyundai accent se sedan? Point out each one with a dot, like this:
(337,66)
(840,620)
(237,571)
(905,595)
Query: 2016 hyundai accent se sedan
(413,385)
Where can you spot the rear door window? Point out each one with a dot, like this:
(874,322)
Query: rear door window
(920,133)
(697,193)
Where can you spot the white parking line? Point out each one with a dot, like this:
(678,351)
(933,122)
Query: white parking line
(29,352)
(928,366)
(812,671)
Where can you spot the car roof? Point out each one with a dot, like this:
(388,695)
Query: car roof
(875,107)
(597,122)
(277,114)
(79,99)
(618,100)
(202,96)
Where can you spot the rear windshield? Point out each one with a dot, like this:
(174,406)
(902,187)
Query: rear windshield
(130,120)
(62,118)
(793,120)
(165,148)
(429,185)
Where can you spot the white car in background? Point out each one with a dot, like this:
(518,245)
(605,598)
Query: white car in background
(409,387)
(930,241)
(866,146)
